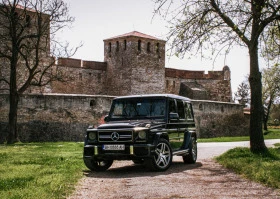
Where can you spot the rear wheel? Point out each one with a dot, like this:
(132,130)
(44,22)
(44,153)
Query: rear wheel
(192,156)
(98,165)
(162,158)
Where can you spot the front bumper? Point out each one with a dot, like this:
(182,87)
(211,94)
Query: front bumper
(132,151)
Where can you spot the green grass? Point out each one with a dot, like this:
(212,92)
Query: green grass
(263,168)
(40,170)
(270,134)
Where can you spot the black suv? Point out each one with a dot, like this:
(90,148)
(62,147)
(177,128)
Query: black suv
(148,129)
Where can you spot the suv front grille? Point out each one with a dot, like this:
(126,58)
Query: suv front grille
(115,136)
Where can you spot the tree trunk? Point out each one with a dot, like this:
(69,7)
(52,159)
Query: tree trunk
(13,133)
(256,135)
(14,98)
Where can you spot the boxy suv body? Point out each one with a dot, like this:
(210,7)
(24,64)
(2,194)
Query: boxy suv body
(148,129)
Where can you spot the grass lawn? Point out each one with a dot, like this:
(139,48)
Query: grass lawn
(40,170)
(270,134)
(263,168)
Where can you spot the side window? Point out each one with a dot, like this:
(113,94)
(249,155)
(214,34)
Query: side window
(180,107)
(188,111)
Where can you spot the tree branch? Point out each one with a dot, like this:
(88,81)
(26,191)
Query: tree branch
(230,23)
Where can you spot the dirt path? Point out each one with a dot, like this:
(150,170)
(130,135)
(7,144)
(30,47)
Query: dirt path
(205,179)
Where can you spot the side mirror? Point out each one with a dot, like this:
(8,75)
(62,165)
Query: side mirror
(173,116)
(106,118)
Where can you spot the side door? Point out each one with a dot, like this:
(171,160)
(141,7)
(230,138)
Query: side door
(176,123)
(190,118)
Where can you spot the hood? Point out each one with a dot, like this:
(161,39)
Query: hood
(129,124)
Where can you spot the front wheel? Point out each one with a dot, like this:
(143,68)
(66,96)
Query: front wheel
(192,156)
(98,165)
(162,158)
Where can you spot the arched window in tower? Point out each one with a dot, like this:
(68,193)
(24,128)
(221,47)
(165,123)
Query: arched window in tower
(110,47)
(139,45)
(117,46)
(124,44)
(148,47)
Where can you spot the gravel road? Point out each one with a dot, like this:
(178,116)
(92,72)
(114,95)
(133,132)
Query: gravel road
(205,179)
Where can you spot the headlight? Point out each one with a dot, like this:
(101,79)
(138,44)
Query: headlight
(142,135)
(92,135)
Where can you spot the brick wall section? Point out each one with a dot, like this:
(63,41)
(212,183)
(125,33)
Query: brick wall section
(184,74)
(80,80)
(55,117)
(216,83)
(69,62)
(187,74)
(95,65)
(217,119)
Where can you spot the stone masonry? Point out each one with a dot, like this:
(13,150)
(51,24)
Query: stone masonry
(65,117)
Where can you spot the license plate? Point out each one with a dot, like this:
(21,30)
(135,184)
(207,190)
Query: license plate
(113,147)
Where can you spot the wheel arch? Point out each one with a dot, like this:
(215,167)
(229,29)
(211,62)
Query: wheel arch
(161,135)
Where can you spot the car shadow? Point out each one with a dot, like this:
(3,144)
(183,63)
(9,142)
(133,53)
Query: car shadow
(136,170)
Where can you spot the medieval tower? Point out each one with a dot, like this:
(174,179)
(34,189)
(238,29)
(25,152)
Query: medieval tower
(135,64)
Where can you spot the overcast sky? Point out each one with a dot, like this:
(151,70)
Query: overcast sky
(96,20)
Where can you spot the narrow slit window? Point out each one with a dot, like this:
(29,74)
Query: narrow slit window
(117,44)
(157,48)
(139,45)
(149,47)
(110,47)
(124,44)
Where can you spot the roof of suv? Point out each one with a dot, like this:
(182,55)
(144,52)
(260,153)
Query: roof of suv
(155,95)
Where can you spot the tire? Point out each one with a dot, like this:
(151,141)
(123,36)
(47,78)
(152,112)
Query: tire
(162,158)
(192,156)
(98,165)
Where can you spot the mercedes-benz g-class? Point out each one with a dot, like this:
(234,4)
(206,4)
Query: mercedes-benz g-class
(148,129)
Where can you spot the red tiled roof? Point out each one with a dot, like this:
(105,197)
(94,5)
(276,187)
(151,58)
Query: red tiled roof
(134,34)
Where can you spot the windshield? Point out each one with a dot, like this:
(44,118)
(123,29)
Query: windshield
(136,108)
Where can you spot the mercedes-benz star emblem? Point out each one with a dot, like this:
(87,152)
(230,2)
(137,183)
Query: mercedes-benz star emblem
(115,136)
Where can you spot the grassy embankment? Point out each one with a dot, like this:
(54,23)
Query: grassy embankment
(263,168)
(270,134)
(40,170)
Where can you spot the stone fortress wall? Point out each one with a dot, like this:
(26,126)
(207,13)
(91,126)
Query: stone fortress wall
(65,117)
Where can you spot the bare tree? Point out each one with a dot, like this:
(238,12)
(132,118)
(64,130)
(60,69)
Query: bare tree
(28,47)
(271,90)
(217,24)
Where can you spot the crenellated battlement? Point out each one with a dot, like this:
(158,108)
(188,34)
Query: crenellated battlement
(78,63)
